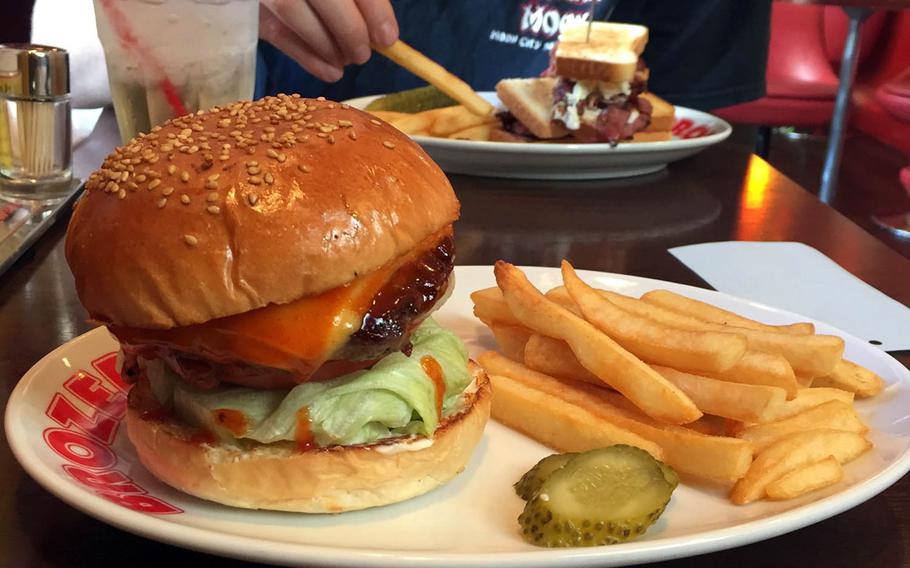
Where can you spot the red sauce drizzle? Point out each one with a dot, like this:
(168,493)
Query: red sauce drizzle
(433,370)
(232,420)
(302,434)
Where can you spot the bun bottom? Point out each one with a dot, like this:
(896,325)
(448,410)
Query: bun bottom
(322,480)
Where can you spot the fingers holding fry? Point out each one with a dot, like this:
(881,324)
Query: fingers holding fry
(656,396)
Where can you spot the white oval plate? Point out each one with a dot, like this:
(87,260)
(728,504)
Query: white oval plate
(693,132)
(469,522)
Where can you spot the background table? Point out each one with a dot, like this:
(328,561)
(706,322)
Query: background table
(619,226)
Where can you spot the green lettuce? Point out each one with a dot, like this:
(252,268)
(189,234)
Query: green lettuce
(394,397)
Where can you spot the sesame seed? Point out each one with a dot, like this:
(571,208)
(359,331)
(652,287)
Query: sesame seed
(185,199)
(252,198)
(255,180)
(154,183)
(331,139)
(161,203)
(184,176)
(387,144)
(320,98)
(172,169)
(167,191)
(271,153)
(376,122)
(224,157)
(322,135)
(211,184)
(253,170)
(252,164)
(269,179)
(190,240)
(304,168)
(345,123)
(213,209)
(212,197)
(141,178)
(121,194)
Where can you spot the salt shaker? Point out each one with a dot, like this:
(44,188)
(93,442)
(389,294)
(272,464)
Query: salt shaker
(35,122)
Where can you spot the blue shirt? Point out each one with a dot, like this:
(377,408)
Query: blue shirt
(701,53)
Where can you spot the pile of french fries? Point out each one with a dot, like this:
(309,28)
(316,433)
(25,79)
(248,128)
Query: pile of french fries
(766,408)
(456,122)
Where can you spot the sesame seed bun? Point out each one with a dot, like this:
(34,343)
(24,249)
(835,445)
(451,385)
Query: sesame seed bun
(222,212)
(320,480)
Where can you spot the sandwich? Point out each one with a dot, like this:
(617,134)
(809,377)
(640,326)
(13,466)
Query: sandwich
(596,91)
(269,270)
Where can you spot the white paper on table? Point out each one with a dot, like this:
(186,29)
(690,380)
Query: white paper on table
(799,278)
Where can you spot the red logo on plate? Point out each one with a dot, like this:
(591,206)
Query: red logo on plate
(84,438)
(686,128)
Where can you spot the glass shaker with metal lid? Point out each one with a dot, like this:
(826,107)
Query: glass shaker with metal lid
(35,122)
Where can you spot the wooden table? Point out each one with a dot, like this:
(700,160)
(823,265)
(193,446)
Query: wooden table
(622,226)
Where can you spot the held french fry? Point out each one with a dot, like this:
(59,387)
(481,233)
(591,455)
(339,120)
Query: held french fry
(650,392)
(651,341)
(511,339)
(554,357)
(706,312)
(852,377)
(555,423)
(436,75)
(708,457)
(832,415)
(806,479)
(746,403)
(806,399)
(792,452)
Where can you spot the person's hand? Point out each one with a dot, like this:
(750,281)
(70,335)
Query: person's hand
(325,35)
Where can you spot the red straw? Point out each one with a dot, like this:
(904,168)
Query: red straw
(128,40)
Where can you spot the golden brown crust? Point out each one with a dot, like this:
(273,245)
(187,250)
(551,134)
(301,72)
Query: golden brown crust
(223,212)
(531,101)
(329,480)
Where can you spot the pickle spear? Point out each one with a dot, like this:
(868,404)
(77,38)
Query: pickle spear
(413,100)
(603,496)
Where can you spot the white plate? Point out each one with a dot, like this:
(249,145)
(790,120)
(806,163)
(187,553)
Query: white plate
(469,522)
(693,132)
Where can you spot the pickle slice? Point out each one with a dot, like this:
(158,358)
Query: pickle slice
(603,496)
(530,482)
(413,100)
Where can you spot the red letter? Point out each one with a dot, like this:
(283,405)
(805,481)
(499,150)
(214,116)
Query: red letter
(90,390)
(142,503)
(62,411)
(107,366)
(113,480)
(79,448)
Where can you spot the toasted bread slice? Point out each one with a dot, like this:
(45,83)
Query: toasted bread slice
(663,114)
(610,54)
(531,101)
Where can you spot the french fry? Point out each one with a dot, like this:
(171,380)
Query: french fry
(417,122)
(554,357)
(704,311)
(490,306)
(809,355)
(852,377)
(650,392)
(793,452)
(511,339)
(555,423)
(757,368)
(436,75)
(456,118)
(804,382)
(832,415)
(743,402)
(481,132)
(651,341)
(708,457)
(806,479)
(389,115)
(806,399)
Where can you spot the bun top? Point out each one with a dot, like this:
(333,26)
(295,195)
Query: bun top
(228,210)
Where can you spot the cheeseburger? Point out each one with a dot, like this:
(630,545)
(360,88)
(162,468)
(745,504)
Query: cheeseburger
(269,270)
